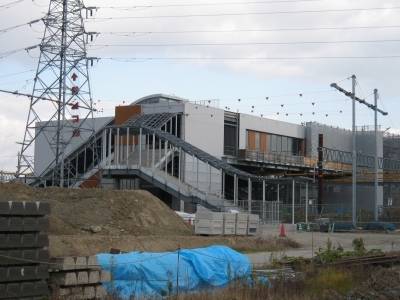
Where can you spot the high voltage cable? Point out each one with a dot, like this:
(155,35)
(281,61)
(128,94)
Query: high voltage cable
(244,44)
(143,59)
(249,30)
(210,4)
(8,5)
(255,13)
(17,73)
(17,26)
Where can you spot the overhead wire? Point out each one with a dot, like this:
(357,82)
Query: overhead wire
(212,4)
(9,5)
(248,14)
(120,33)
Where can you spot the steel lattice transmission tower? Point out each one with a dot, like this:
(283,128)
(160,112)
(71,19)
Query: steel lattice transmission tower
(60,113)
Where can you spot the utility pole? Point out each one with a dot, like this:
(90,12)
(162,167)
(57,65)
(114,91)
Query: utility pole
(354,158)
(354,154)
(376,155)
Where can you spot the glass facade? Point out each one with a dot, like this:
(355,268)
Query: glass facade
(274,143)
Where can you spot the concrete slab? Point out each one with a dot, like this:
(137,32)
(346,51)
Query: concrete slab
(13,290)
(105,276)
(15,274)
(94,276)
(27,289)
(3,258)
(92,262)
(80,262)
(42,272)
(62,263)
(100,292)
(3,240)
(3,224)
(71,293)
(15,224)
(41,288)
(3,291)
(17,208)
(4,208)
(82,277)
(42,240)
(63,279)
(30,209)
(29,255)
(30,224)
(3,274)
(13,240)
(29,273)
(43,209)
(43,224)
(28,240)
(15,257)
(42,255)
(88,292)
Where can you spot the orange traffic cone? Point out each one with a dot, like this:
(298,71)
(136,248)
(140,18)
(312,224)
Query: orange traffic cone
(283,231)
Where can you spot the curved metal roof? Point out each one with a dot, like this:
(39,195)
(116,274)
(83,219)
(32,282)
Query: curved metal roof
(145,99)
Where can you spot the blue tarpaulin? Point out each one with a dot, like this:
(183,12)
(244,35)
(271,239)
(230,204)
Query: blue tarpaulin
(377,225)
(150,274)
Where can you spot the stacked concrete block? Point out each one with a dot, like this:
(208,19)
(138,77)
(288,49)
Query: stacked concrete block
(77,278)
(23,249)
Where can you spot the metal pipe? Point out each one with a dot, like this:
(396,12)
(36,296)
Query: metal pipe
(306,201)
(249,197)
(376,156)
(127,146)
(293,202)
(109,146)
(263,201)
(320,172)
(354,158)
(140,146)
(234,189)
(153,152)
(117,147)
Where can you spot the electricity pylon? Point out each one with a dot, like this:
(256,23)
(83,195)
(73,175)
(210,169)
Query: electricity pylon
(60,113)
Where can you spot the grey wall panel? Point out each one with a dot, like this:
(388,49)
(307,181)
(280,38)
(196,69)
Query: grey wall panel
(249,122)
(44,153)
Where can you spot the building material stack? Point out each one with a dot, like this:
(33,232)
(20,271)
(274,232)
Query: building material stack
(23,250)
(77,277)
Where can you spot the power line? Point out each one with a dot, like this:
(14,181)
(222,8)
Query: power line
(245,44)
(17,26)
(17,73)
(8,5)
(254,13)
(144,59)
(210,4)
(247,30)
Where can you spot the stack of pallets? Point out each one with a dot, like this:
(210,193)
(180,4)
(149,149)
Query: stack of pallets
(23,249)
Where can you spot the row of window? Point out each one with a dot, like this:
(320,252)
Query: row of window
(266,142)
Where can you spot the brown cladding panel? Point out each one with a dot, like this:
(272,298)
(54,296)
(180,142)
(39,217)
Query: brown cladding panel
(303,148)
(252,140)
(92,182)
(263,142)
(124,113)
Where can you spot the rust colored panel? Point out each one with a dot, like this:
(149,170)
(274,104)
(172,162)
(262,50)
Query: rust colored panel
(252,140)
(303,148)
(124,113)
(263,142)
(92,182)
(124,140)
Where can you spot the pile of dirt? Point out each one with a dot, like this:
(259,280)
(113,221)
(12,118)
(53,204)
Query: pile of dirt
(108,212)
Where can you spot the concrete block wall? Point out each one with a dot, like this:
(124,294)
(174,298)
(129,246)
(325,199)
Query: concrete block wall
(23,249)
(79,277)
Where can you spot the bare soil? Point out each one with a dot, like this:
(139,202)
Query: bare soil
(129,221)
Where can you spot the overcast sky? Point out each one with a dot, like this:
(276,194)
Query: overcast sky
(223,50)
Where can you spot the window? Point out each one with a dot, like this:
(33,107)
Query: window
(285,144)
(273,143)
(257,141)
(278,143)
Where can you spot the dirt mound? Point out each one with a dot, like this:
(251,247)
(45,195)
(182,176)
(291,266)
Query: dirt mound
(75,211)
